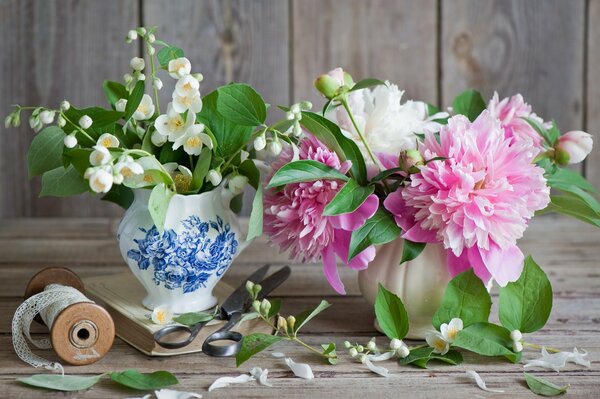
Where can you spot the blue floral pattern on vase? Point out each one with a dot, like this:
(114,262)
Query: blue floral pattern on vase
(186,260)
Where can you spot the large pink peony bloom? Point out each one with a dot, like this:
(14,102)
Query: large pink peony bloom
(511,111)
(293,217)
(477,202)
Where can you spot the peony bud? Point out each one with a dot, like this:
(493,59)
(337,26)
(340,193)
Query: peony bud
(573,147)
(327,86)
(47,117)
(214,176)
(70,140)
(137,63)
(237,184)
(85,122)
(260,143)
(274,148)
(121,104)
(410,160)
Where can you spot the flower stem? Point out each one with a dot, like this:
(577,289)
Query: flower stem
(534,346)
(310,348)
(153,73)
(360,135)
(78,127)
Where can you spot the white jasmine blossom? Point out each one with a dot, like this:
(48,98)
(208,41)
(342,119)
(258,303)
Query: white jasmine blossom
(100,156)
(137,63)
(187,86)
(101,181)
(193,103)
(179,67)
(47,117)
(260,375)
(85,122)
(60,121)
(107,140)
(121,104)
(301,370)
(480,383)
(70,140)
(556,361)
(145,110)
(450,330)
(127,168)
(157,83)
(172,125)
(226,381)
(437,342)
(214,177)
(193,140)
(260,142)
(158,139)
(162,315)
(65,105)
(237,184)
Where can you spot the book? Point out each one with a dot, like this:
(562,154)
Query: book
(121,295)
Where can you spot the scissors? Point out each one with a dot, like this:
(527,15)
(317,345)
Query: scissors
(231,310)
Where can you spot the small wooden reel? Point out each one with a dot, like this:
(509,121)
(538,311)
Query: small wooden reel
(82,333)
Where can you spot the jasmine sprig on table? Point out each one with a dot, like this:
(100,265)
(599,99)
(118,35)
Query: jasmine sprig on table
(286,328)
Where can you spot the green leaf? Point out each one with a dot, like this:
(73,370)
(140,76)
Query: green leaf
(241,104)
(543,387)
(367,82)
(114,91)
(565,178)
(542,131)
(466,298)
(189,319)
(574,207)
(248,168)
(329,350)
(348,199)
(525,304)
(144,381)
(45,151)
(62,182)
(255,224)
(554,131)
(391,314)
(158,205)
(488,340)
(410,250)
(381,228)
(120,195)
(253,344)
(167,54)
(330,134)
(58,382)
(304,170)
(275,306)
(422,356)
(469,103)
(201,169)
(386,173)
(307,315)
(134,99)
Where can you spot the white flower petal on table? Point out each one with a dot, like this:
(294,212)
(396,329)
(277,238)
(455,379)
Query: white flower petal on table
(172,394)
(260,375)
(301,370)
(382,371)
(382,356)
(556,361)
(278,355)
(148,396)
(480,383)
(226,381)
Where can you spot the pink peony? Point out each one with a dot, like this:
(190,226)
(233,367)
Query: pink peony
(293,216)
(510,112)
(478,201)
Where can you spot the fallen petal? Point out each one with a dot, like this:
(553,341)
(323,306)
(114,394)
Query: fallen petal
(552,361)
(143,397)
(579,358)
(480,383)
(172,394)
(278,355)
(301,370)
(261,375)
(382,371)
(381,357)
(226,381)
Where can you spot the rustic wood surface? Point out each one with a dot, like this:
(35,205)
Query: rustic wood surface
(567,250)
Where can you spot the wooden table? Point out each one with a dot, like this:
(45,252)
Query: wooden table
(569,252)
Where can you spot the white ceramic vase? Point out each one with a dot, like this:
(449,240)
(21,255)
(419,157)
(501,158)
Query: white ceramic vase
(180,267)
(420,283)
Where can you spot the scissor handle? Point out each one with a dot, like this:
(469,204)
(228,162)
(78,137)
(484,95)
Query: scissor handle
(224,334)
(165,331)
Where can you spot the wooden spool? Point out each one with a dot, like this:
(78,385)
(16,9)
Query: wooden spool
(82,333)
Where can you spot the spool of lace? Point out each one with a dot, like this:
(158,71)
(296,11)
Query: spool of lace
(81,332)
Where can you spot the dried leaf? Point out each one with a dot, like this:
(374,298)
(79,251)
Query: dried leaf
(301,370)
(226,381)
(480,383)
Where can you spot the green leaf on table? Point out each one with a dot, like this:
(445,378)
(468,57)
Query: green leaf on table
(366,83)
(189,319)
(421,357)
(410,250)
(303,171)
(58,382)
(488,340)
(543,387)
(45,151)
(330,134)
(62,182)
(525,304)
(562,178)
(253,344)
(114,91)
(466,298)
(167,54)
(307,315)
(241,104)
(134,99)
(158,205)
(391,314)
(469,103)
(201,169)
(348,199)
(144,381)
(120,195)
(255,223)
(381,228)
(329,351)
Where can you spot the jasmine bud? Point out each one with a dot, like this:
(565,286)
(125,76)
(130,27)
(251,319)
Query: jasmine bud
(372,346)
(249,286)
(265,306)
(281,323)
(65,105)
(256,306)
(403,351)
(353,352)
(291,321)
(347,345)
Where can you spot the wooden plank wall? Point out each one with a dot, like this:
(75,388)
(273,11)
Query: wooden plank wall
(548,50)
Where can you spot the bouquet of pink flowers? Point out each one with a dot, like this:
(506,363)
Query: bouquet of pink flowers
(372,168)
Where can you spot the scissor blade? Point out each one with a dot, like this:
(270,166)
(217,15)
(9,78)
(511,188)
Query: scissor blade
(274,281)
(237,300)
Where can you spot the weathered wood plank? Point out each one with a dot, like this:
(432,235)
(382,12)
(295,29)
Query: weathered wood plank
(529,47)
(592,163)
(388,39)
(51,51)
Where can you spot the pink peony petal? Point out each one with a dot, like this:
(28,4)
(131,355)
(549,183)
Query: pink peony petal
(505,265)
(330,270)
(341,246)
(352,221)
(418,234)
(477,263)
(457,264)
